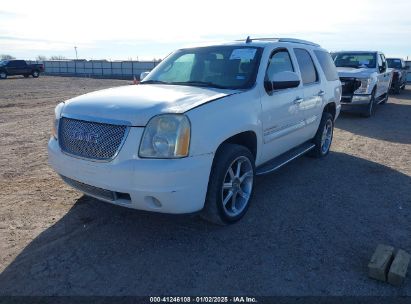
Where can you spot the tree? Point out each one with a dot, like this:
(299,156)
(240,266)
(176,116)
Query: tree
(6,57)
(41,58)
(58,57)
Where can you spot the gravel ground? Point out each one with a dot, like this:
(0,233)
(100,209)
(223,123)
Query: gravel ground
(311,230)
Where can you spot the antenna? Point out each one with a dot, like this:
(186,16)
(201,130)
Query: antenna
(248,40)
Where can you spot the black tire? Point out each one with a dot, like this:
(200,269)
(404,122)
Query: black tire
(371,107)
(327,120)
(35,74)
(384,101)
(397,88)
(3,75)
(214,209)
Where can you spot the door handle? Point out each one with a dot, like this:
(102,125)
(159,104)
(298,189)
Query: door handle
(298,100)
(321,93)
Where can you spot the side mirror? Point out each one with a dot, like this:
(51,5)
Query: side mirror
(284,80)
(143,75)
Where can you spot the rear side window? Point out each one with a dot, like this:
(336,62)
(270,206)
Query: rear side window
(327,65)
(308,72)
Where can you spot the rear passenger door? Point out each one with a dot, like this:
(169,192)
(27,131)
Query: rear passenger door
(314,91)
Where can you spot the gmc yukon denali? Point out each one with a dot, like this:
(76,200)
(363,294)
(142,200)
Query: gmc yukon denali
(196,131)
(365,80)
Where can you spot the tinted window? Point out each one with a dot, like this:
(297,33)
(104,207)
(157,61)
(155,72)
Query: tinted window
(394,63)
(327,65)
(307,68)
(280,61)
(229,67)
(16,64)
(355,60)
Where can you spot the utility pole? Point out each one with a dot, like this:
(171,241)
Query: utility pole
(75,49)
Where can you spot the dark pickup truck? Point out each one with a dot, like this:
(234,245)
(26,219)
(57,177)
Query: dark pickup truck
(19,67)
(399,74)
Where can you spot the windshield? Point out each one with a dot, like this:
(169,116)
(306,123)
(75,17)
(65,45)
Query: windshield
(355,60)
(225,67)
(3,62)
(394,63)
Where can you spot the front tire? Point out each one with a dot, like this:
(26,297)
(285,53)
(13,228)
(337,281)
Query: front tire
(3,75)
(324,136)
(371,107)
(231,185)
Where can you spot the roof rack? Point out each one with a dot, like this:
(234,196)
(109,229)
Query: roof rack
(293,40)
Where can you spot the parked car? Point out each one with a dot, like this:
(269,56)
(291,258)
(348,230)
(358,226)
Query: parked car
(19,67)
(399,76)
(365,80)
(197,130)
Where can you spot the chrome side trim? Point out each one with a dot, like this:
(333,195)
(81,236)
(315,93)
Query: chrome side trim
(98,119)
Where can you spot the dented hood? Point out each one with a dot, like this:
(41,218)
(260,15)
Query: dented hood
(136,104)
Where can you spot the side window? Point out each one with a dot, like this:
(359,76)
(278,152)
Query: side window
(305,62)
(279,61)
(379,61)
(327,65)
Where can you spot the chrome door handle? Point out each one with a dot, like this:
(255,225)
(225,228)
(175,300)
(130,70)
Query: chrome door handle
(298,100)
(321,93)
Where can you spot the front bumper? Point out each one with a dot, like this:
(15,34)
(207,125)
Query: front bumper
(160,185)
(355,103)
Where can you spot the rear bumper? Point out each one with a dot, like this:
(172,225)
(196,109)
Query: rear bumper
(160,185)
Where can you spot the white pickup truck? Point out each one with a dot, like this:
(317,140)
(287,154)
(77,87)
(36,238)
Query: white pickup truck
(199,127)
(365,79)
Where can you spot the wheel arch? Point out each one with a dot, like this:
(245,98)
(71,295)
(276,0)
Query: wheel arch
(247,139)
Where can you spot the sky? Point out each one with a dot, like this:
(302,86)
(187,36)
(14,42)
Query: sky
(143,30)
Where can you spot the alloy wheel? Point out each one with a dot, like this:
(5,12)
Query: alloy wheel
(237,186)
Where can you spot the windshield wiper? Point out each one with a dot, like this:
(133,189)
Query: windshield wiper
(154,82)
(201,84)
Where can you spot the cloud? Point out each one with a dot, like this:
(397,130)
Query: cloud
(128,27)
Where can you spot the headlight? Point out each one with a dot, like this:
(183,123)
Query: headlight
(365,85)
(166,136)
(57,115)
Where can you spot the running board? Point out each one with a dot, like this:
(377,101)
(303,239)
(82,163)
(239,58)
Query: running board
(283,159)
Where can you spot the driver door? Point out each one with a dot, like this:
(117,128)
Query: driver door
(282,118)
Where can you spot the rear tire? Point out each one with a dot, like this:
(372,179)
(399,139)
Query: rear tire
(231,185)
(35,74)
(3,75)
(324,136)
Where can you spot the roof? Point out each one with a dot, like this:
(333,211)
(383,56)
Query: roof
(259,42)
(356,52)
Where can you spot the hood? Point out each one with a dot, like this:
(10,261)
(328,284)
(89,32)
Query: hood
(353,72)
(136,104)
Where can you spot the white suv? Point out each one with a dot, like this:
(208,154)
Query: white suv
(199,127)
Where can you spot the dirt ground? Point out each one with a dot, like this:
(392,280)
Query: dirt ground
(311,230)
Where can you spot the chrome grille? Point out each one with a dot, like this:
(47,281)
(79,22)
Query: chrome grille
(93,140)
